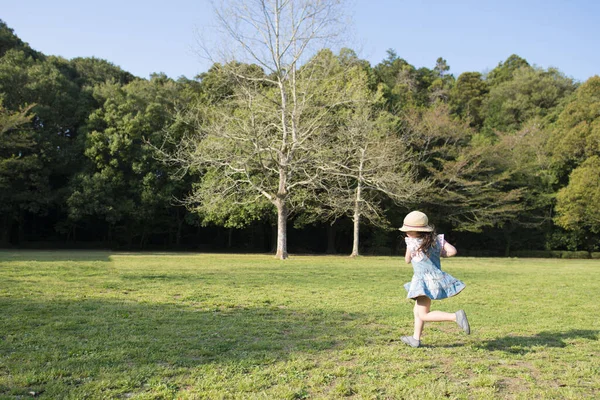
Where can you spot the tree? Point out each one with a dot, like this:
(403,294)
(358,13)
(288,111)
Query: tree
(575,150)
(406,86)
(441,67)
(399,81)
(466,181)
(576,132)
(505,70)
(26,80)
(525,160)
(91,71)
(373,164)
(532,92)
(364,161)
(467,96)
(442,83)
(263,140)
(123,184)
(23,181)
(577,203)
(213,91)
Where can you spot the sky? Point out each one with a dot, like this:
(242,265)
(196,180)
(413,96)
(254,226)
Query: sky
(145,37)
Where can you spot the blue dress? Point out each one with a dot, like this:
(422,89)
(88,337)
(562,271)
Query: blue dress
(428,278)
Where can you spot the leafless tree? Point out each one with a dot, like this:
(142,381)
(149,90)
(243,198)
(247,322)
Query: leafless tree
(369,162)
(263,140)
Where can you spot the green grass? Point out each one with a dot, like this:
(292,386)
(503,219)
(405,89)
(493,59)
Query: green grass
(79,325)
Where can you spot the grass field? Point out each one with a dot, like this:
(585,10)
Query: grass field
(92,325)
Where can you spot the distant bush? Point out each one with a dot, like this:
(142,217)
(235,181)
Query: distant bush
(575,254)
(595,255)
(552,254)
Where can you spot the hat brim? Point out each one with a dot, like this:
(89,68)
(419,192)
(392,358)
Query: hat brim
(408,228)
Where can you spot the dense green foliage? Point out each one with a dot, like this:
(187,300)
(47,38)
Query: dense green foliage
(506,161)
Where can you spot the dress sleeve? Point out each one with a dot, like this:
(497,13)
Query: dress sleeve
(412,244)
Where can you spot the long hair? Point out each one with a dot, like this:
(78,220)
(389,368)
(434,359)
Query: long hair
(428,240)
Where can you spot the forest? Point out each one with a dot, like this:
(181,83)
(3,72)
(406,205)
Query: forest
(504,162)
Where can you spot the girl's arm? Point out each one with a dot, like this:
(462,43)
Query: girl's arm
(408,256)
(449,250)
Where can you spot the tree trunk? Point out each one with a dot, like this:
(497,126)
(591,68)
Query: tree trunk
(281,252)
(356,220)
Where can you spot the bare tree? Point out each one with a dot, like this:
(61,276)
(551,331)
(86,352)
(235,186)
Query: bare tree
(263,139)
(368,163)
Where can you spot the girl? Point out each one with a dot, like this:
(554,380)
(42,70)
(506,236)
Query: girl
(424,249)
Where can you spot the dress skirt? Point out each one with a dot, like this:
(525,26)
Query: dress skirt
(432,282)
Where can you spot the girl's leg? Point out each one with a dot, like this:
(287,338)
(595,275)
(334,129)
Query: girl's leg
(422,306)
(423,314)
(419,323)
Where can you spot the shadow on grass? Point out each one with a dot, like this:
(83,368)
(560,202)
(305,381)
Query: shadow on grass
(54,255)
(527,344)
(89,340)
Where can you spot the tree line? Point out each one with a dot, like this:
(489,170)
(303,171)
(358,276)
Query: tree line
(321,146)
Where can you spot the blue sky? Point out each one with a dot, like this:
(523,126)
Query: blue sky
(149,36)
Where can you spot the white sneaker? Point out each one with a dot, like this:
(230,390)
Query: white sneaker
(462,321)
(411,341)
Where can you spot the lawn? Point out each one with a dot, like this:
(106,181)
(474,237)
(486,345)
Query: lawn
(91,325)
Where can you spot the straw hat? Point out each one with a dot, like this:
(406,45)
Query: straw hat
(416,221)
